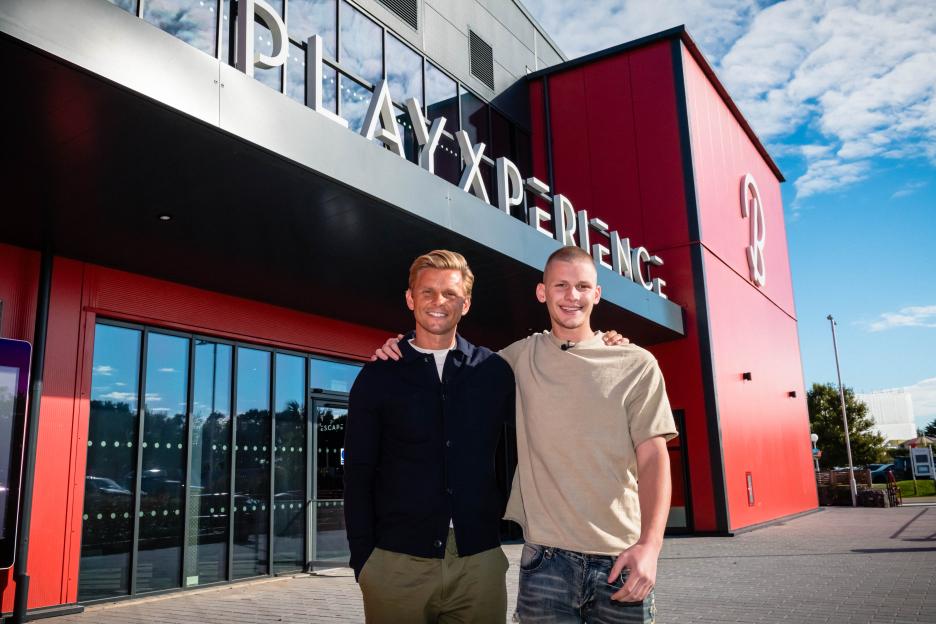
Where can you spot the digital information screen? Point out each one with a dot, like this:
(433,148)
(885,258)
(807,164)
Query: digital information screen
(14,388)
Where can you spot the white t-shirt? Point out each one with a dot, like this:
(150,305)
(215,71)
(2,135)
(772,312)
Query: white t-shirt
(438,354)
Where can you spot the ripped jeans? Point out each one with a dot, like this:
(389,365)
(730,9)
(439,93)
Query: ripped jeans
(563,587)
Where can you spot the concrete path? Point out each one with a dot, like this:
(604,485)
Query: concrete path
(837,566)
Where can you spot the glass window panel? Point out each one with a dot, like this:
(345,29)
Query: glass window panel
(475,118)
(263,43)
(448,160)
(289,464)
(162,482)
(130,6)
(331,542)
(355,99)
(328,376)
(410,146)
(295,79)
(522,157)
(210,475)
(501,139)
(404,71)
(228,24)
(361,48)
(252,464)
(107,522)
(441,97)
(313,17)
(193,21)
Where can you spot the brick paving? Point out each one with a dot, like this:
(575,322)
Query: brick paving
(837,566)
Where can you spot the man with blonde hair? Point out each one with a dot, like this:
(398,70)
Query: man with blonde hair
(422,504)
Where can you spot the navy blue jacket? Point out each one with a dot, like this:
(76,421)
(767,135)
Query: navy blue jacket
(419,452)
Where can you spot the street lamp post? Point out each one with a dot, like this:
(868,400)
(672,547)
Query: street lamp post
(815,450)
(838,371)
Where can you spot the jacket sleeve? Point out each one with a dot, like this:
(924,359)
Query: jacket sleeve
(362,437)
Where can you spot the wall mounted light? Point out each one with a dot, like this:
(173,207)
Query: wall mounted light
(746,376)
(792,394)
(165,217)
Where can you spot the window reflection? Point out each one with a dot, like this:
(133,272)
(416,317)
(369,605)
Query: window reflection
(209,487)
(331,542)
(441,97)
(195,23)
(475,118)
(404,71)
(329,376)
(448,160)
(296,76)
(263,43)
(107,522)
(130,6)
(313,17)
(252,464)
(289,464)
(355,99)
(162,481)
(361,48)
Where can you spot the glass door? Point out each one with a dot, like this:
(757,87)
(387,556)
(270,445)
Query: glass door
(327,540)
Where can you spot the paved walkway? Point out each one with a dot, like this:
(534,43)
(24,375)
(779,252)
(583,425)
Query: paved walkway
(837,566)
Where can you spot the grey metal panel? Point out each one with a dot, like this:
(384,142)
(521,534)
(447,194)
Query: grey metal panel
(110,42)
(446,44)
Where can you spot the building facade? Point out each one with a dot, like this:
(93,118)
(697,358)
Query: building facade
(892,412)
(218,202)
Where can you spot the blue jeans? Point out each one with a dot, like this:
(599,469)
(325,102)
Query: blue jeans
(563,587)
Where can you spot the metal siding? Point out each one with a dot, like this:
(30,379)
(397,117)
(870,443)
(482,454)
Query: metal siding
(19,275)
(764,430)
(723,153)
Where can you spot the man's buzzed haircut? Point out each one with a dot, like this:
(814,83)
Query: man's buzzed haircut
(569,253)
(443,259)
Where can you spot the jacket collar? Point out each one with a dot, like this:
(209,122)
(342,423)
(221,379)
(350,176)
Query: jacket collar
(462,352)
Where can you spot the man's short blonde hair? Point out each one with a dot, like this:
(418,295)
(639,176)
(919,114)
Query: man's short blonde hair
(443,259)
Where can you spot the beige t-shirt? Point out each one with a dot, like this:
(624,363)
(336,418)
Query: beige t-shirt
(581,413)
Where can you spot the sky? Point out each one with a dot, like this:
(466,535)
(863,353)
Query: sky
(843,94)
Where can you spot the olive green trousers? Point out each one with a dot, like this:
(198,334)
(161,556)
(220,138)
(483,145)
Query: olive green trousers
(402,589)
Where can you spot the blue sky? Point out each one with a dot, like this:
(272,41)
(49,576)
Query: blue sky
(843,93)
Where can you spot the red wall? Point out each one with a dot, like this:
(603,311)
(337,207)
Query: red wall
(617,154)
(753,329)
(80,293)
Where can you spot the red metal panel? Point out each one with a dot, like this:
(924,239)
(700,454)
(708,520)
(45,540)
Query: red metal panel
(570,140)
(117,294)
(764,430)
(19,277)
(722,153)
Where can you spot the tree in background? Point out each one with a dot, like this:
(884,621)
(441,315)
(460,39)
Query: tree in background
(930,429)
(825,420)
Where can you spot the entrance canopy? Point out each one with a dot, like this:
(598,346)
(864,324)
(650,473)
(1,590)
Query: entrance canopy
(114,125)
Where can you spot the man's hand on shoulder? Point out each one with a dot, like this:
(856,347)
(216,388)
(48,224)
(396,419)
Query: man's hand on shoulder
(641,560)
(389,351)
(614,339)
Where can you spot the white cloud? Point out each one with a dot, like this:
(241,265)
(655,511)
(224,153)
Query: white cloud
(167,370)
(911,316)
(908,189)
(856,74)
(103,370)
(119,396)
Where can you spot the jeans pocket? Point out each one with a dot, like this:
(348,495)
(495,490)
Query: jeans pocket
(532,557)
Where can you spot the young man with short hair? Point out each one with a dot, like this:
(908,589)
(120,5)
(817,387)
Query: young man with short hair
(422,504)
(590,419)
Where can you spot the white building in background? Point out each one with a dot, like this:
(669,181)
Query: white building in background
(892,411)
